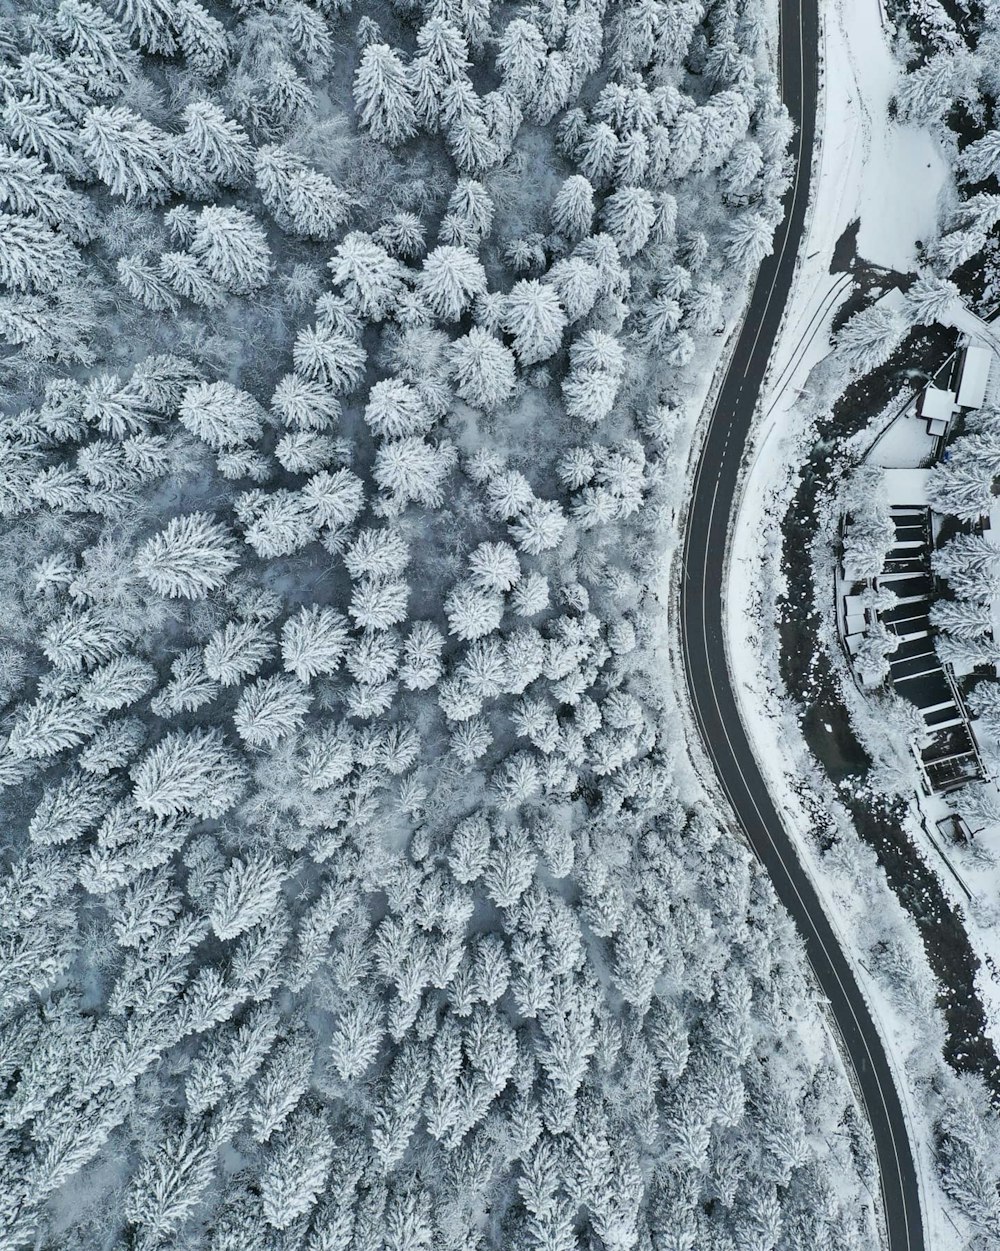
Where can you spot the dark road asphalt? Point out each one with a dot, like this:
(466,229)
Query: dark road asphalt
(706,661)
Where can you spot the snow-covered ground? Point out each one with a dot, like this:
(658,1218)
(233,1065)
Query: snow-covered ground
(893,180)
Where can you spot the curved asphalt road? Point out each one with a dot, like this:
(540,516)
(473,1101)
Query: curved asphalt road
(707,662)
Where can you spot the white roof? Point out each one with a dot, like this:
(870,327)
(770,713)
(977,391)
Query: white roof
(893,299)
(936,404)
(907,486)
(975,372)
(993,533)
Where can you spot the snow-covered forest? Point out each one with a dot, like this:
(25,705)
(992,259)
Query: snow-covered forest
(353,895)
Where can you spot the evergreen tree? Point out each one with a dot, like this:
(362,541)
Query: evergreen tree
(870,337)
(383,95)
(473,612)
(33,256)
(395,410)
(211,147)
(371,278)
(535,319)
(629,216)
(237,651)
(450,280)
(184,274)
(220,415)
(313,642)
(189,771)
(190,557)
(295,1171)
(521,59)
(469,216)
(750,240)
(573,207)
(269,710)
(202,38)
(411,469)
(965,619)
(483,369)
(129,155)
(930,298)
(169,1184)
(304,201)
(233,249)
(249,892)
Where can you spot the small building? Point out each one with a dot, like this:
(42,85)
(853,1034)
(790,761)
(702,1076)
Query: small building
(936,406)
(855,617)
(975,374)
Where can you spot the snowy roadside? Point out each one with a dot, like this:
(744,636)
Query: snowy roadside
(889,179)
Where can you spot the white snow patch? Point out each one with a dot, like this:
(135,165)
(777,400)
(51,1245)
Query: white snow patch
(897,173)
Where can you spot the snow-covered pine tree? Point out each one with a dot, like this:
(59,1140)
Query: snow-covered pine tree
(128,154)
(238,651)
(233,248)
(372,280)
(211,151)
(314,641)
(383,96)
(869,338)
(249,892)
(929,298)
(450,280)
(966,619)
(271,709)
(412,469)
(302,200)
(221,415)
(189,771)
(395,410)
(483,369)
(190,557)
(535,319)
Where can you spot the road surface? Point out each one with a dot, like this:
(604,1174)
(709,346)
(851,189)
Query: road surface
(710,681)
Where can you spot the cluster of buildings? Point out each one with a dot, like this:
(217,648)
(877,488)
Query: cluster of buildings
(891,611)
